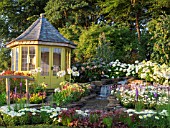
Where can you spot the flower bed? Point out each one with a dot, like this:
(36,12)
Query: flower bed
(78,118)
(149,97)
(70,92)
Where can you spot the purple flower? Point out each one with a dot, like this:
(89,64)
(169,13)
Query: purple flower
(15,90)
(137,93)
(155,95)
(20,85)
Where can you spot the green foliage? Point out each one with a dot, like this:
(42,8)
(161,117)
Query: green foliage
(110,43)
(88,42)
(2,98)
(72,32)
(156,121)
(5,59)
(63,13)
(108,121)
(18,15)
(23,120)
(38,126)
(139,106)
(159,28)
(45,118)
(124,24)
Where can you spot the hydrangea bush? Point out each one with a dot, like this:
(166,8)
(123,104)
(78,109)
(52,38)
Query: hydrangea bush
(146,70)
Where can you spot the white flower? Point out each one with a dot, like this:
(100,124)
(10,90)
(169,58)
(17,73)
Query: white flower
(61,73)
(2,72)
(112,92)
(33,113)
(57,90)
(54,120)
(156,117)
(113,65)
(145,116)
(76,73)
(130,114)
(74,68)
(140,117)
(136,62)
(149,115)
(109,70)
(164,112)
(69,71)
(130,110)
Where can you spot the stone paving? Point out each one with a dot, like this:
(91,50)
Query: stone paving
(96,104)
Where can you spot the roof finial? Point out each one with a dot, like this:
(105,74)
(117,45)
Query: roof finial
(42,15)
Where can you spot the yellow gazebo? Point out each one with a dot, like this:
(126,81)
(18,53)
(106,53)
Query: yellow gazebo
(41,45)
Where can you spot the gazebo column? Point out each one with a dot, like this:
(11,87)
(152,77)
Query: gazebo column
(27,91)
(7,91)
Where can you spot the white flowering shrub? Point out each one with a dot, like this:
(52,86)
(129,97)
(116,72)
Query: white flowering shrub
(154,72)
(117,69)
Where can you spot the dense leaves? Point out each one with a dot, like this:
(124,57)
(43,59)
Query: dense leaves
(5,59)
(63,13)
(17,15)
(160,29)
(104,29)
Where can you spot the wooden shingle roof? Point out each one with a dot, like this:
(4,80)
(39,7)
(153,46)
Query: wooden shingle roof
(43,31)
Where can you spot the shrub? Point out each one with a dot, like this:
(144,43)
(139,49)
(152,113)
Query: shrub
(2,98)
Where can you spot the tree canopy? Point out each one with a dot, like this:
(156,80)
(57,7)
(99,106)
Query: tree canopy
(17,15)
(127,29)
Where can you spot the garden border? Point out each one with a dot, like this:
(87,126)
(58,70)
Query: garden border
(7,77)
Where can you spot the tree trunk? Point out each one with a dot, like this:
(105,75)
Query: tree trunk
(137,25)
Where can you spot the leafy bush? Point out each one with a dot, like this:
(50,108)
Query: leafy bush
(2,98)
(91,71)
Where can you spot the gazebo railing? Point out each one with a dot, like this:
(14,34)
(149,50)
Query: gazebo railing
(7,77)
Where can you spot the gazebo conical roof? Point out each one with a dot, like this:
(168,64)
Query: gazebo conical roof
(41,32)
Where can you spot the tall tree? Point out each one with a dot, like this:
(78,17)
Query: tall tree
(120,40)
(136,13)
(5,58)
(17,15)
(63,13)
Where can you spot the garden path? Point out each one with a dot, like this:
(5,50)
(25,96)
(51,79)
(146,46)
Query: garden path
(96,104)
